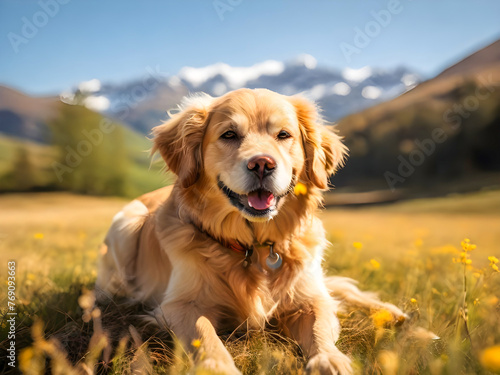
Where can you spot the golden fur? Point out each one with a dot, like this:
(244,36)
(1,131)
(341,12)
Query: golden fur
(166,248)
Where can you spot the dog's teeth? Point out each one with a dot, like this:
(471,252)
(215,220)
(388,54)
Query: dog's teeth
(250,203)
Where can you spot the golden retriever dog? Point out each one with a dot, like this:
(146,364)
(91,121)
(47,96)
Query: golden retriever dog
(230,244)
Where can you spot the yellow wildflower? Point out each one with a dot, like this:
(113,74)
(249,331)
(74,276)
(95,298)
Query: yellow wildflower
(464,255)
(419,242)
(413,300)
(300,189)
(381,318)
(490,358)
(374,264)
(467,246)
(493,263)
(196,343)
(38,236)
(357,245)
(30,276)
(476,302)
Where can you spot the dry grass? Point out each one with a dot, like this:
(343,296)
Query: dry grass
(405,251)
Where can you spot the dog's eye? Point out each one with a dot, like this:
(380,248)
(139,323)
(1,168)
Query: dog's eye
(229,135)
(283,134)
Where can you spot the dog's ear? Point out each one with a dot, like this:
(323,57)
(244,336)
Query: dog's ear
(324,150)
(179,139)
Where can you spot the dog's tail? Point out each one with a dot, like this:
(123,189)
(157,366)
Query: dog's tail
(348,294)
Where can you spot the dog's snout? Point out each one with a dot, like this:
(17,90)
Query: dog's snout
(261,165)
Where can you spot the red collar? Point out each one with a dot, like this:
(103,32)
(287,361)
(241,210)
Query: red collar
(236,246)
(231,244)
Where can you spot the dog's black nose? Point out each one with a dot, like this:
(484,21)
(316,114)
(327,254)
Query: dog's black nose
(261,165)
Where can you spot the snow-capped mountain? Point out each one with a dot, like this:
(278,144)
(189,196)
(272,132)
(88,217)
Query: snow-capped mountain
(143,103)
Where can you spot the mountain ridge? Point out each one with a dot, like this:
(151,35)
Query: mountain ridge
(338,92)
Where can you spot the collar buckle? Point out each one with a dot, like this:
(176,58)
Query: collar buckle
(248,257)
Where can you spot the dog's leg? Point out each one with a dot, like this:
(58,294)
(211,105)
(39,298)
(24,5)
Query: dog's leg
(189,324)
(316,329)
(116,266)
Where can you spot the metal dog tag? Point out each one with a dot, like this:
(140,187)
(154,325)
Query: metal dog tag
(274,260)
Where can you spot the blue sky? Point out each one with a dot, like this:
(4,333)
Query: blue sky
(115,41)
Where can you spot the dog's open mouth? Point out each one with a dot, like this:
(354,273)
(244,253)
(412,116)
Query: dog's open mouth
(258,203)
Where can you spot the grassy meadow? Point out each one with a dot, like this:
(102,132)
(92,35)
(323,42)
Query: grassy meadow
(413,253)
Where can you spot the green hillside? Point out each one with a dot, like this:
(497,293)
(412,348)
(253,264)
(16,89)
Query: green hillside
(82,156)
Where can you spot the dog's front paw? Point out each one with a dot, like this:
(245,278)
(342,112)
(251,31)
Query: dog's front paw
(329,363)
(216,367)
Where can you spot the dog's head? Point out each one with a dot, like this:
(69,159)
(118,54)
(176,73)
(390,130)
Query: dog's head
(252,145)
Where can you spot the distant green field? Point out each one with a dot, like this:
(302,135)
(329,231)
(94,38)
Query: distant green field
(406,251)
(141,174)
(40,156)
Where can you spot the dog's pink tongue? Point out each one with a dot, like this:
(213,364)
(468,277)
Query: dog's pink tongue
(260,200)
